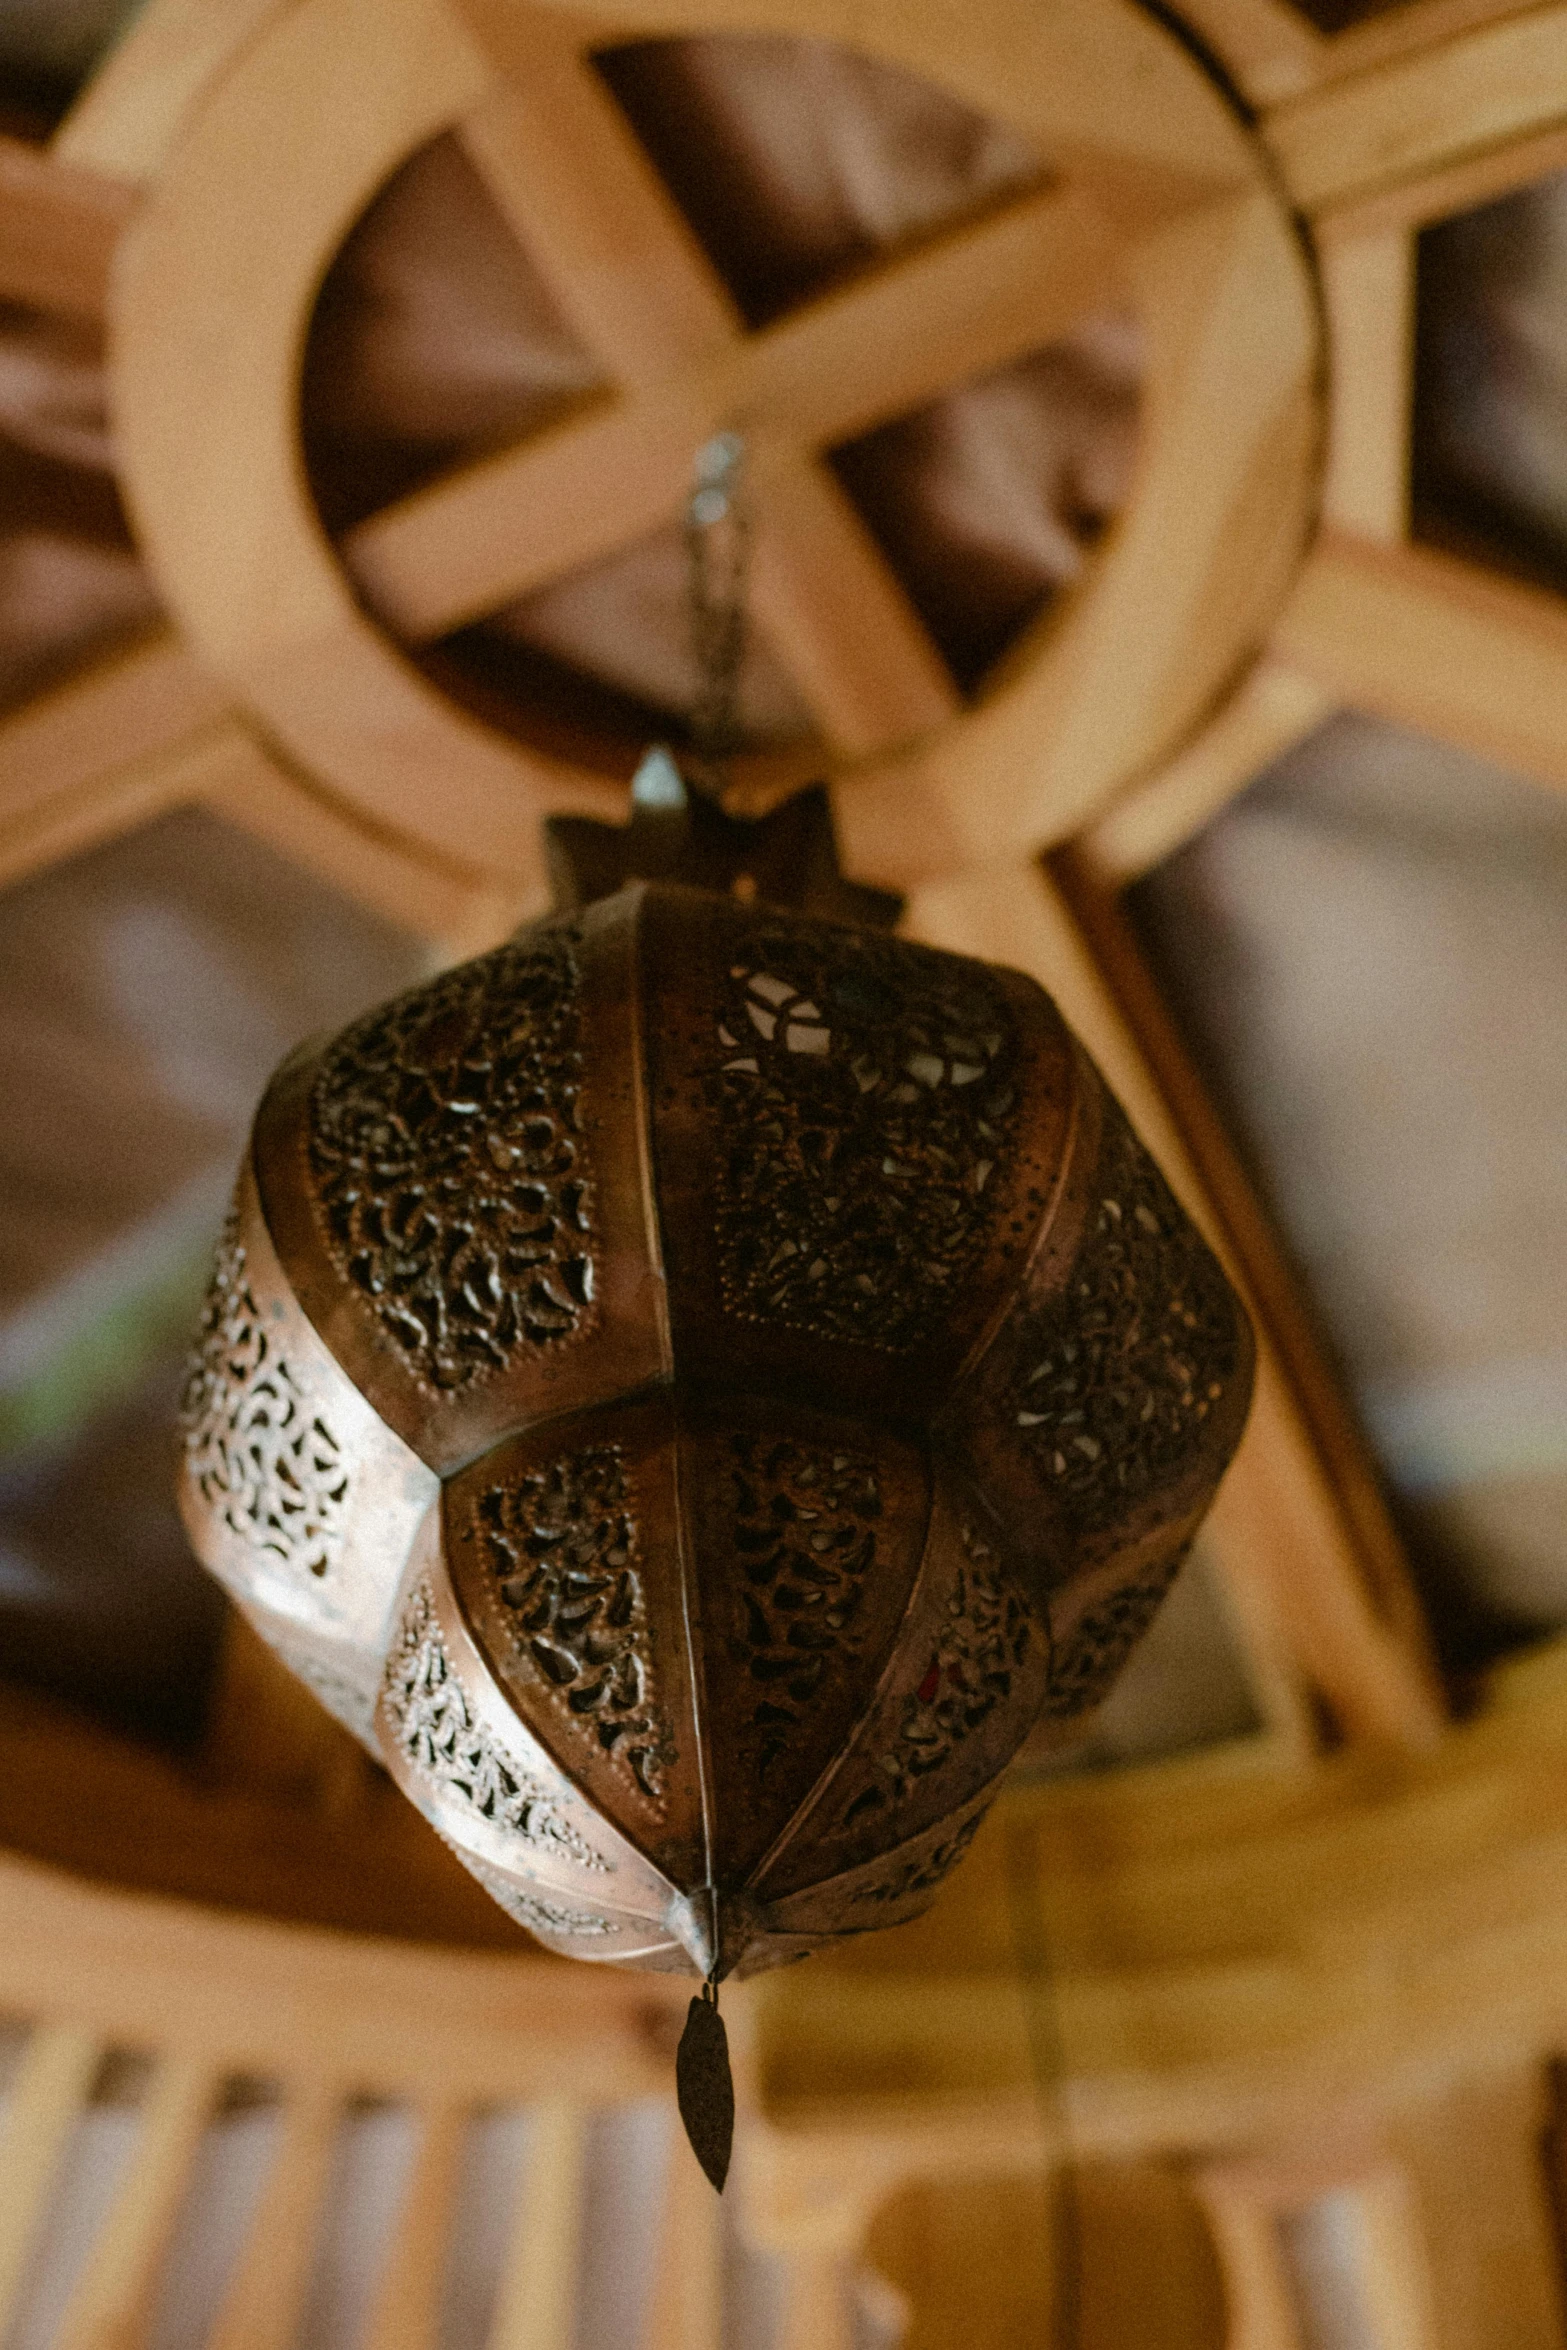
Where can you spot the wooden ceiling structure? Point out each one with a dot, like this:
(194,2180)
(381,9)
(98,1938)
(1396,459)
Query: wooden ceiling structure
(1236,1951)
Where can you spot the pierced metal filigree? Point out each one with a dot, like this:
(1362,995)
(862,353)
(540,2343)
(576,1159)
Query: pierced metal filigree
(982,1644)
(452,1189)
(1124,1367)
(924,1874)
(804,1535)
(438,1734)
(1085,1664)
(865,1095)
(564,1553)
(539,1917)
(258,1454)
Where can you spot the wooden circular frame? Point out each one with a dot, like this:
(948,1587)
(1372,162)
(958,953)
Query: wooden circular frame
(1159,192)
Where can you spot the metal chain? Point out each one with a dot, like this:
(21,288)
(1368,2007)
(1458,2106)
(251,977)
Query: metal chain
(718,555)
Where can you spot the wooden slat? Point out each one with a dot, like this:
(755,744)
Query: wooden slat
(406,2312)
(58,229)
(40,2116)
(685,2307)
(400,880)
(1486,2264)
(1260,2308)
(1399,124)
(1436,644)
(1270,712)
(495,530)
(816,2310)
(111,2301)
(1281,1521)
(265,2299)
(1368,286)
(125,120)
(536,2305)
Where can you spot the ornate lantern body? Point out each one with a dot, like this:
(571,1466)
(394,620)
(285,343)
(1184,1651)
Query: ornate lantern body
(691,1389)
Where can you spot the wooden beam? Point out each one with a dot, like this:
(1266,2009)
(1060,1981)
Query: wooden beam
(58,229)
(1272,710)
(1368,287)
(460,911)
(101,757)
(1274,51)
(1400,124)
(1331,1571)
(1436,644)
(132,704)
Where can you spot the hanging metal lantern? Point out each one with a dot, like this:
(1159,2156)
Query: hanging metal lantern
(692,1389)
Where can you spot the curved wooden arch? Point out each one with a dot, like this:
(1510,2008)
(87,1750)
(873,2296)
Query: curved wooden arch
(1161,191)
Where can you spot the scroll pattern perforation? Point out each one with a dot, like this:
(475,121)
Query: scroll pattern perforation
(1121,1371)
(804,1532)
(563,1548)
(528,1909)
(1084,1666)
(437,1733)
(452,1185)
(257,1451)
(983,1643)
(923,1873)
(865,1095)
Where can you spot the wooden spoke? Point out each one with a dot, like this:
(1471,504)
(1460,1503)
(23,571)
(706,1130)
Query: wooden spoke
(266,2294)
(58,229)
(1436,644)
(111,2302)
(126,119)
(1329,1566)
(51,2086)
(1405,124)
(1274,709)
(978,297)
